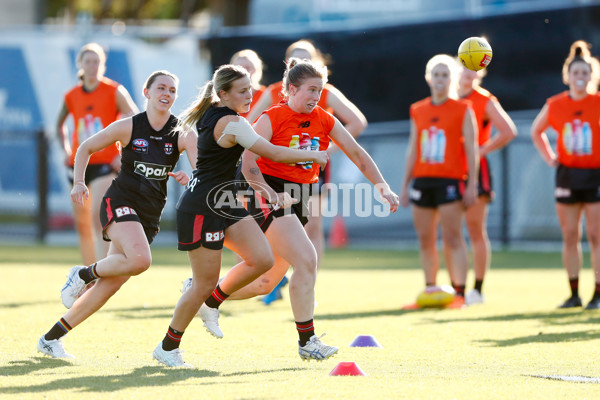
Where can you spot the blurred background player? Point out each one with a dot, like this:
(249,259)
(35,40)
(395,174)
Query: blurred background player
(94,103)
(334,102)
(488,112)
(441,162)
(204,223)
(253,64)
(575,116)
(132,205)
(281,125)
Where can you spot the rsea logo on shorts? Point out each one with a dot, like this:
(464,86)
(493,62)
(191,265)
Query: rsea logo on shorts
(152,171)
(122,211)
(215,236)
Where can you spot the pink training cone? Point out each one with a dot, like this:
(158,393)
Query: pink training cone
(347,368)
(365,341)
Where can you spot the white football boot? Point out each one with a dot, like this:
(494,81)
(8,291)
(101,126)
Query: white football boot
(314,349)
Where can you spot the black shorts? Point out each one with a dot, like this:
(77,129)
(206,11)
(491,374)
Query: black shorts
(573,196)
(577,185)
(263,212)
(117,209)
(195,230)
(434,192)
(484,186)
(92,171)
(323,179)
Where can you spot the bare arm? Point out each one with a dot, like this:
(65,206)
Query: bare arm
(354,121)
(507,130)
(125,103)
(263,147)
(187,142)
(61,131)
(540,139)
(409,164)
(119,131)
(252,172)
(344,140)
(470,136)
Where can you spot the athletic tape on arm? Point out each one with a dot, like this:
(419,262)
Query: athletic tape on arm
(243,132)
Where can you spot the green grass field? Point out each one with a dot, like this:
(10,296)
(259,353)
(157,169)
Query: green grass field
(490,351)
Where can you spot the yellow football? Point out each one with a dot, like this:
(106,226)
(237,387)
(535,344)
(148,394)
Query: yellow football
(436,296)
(475,53)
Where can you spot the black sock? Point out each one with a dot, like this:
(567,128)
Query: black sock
(574,283)
(597,291)
(460,290)
(60,329)
(478,284)
(172,339)
(89,274)
(216,298)
(306,330)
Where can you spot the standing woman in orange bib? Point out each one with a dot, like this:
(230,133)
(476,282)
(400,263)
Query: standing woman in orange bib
(441,162)
(575,116)
(94,103)
(488,112)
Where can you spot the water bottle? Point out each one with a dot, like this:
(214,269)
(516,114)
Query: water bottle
(294,144)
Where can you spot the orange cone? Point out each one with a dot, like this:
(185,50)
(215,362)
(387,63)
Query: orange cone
(338,235)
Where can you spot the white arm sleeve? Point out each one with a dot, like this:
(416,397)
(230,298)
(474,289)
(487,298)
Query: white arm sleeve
(243,132)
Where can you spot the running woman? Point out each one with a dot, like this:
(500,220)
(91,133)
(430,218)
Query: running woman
(334,102)
(209,215)
(298,119)
(132,206)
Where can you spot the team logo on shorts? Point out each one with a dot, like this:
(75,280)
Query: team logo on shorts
(214,236)
(140,145)
(560,192)
(414,194)
(168,148)
(122,211)
(451,192)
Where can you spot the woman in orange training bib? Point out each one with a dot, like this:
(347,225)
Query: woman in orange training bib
(575,116)
(441,162)
(94,103)
(488,112)
(334,102)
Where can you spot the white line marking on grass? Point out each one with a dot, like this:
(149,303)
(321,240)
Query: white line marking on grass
(569,378)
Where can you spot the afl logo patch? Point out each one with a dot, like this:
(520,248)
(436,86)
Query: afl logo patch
(168,148)
(140,145)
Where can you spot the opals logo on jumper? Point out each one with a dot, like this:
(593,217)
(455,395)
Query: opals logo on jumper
(152,171)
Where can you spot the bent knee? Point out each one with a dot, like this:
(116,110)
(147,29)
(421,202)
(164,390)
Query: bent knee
(139,263)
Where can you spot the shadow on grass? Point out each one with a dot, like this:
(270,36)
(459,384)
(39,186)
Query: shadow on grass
(25,304)
(367,314)
(149,376)
(563,337)
(141,312)
(140,377)
(549,317)
(24,367)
